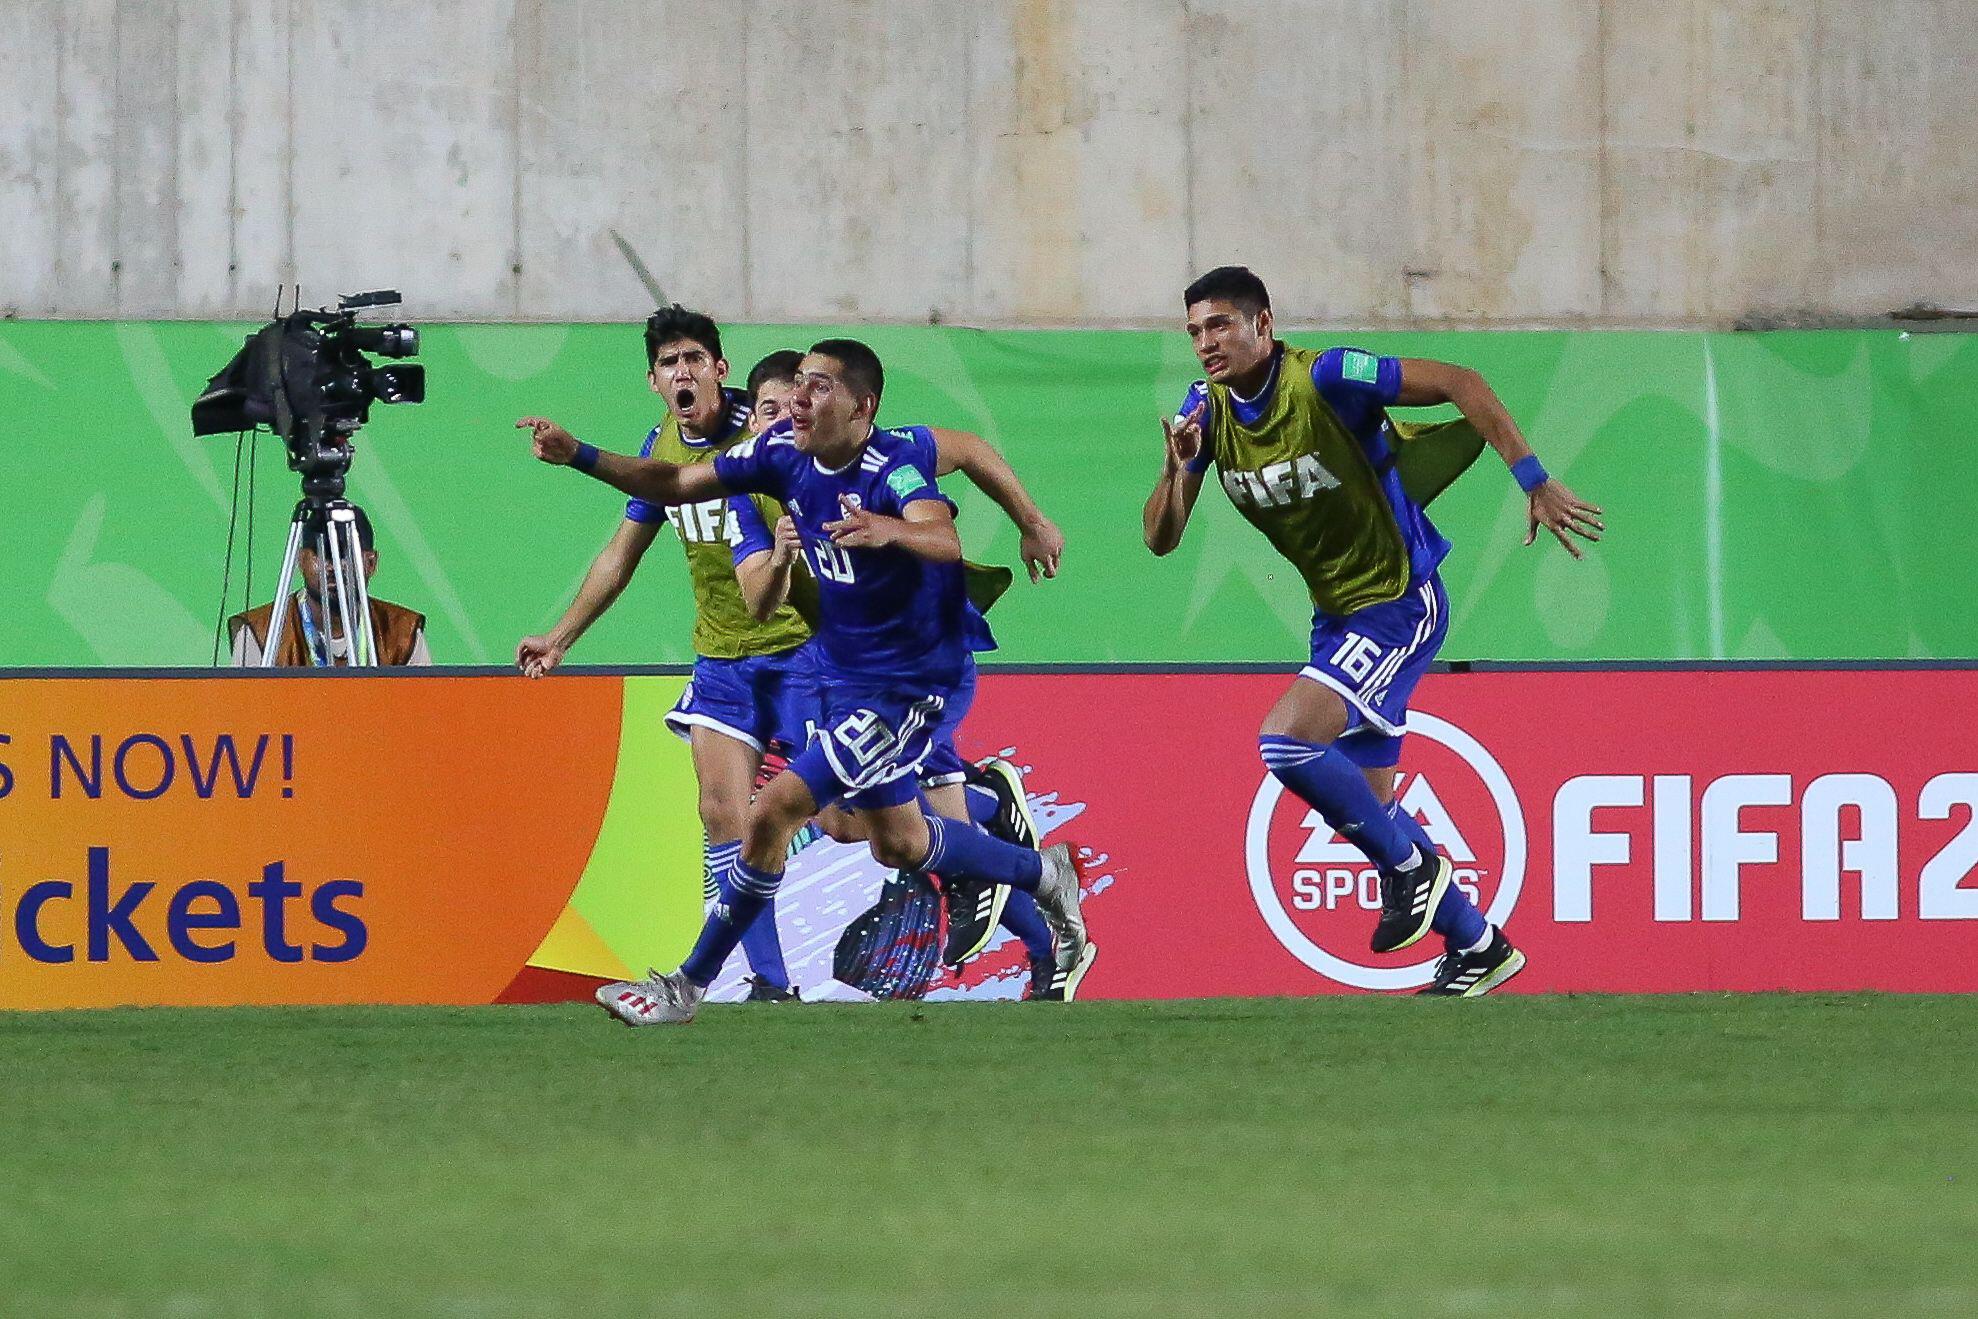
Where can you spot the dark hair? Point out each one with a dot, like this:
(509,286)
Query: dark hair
(1229,284)
(862,370)
(779,365)
(317,526)
(676,322)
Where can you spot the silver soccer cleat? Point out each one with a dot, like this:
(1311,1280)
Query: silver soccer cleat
(1057,899)
(658,1000)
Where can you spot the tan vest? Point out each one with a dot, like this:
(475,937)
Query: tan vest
(395,627)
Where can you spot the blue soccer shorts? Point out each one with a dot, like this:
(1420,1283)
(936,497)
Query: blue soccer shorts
(871,743)
(1373,658)
(753,699)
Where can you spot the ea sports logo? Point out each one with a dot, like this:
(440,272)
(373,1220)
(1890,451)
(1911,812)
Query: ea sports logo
(1321,897)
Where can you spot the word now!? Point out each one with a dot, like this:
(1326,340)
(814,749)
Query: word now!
(144,766)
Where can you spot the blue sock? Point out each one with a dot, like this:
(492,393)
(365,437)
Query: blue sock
(981,805)
(1021,918)
(763,945)
(962,851)
(1328,781)
(745,893)
(761,942)
(1457,919)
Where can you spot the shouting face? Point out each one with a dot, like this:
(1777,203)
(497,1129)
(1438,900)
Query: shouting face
(689,377)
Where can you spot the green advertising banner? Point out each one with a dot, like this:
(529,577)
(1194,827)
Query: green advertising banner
(1797,495)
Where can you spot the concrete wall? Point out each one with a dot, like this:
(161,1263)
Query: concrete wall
(993,161)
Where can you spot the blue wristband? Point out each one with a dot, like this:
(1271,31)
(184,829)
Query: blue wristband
(586,457)
(1529,473)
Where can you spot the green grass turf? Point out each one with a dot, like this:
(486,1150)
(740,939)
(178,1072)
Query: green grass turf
(1693,1155)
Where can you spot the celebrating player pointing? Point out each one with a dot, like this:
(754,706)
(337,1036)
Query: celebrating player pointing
(1303,446)
(880,540)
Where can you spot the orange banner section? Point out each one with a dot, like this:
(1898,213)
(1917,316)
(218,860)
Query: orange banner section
(291,840)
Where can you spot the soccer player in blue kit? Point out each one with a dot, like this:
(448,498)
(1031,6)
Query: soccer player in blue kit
(880,539)
(1306,452)
(993,796)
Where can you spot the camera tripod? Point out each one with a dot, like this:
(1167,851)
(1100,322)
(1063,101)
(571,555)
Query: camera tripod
(341,557)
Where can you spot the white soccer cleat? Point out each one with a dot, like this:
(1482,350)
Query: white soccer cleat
(1057,899)
(658,1000)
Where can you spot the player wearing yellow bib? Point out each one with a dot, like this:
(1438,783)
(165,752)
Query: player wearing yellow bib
(755,680)
(1303,447)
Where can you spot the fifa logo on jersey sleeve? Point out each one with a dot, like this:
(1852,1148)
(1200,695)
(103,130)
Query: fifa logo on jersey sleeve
(1279,484)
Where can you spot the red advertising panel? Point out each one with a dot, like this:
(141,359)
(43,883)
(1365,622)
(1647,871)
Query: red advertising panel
(1633,831)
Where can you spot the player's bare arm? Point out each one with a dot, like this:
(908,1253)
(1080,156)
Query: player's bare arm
(1166,514)
(650,479)
(610,571)
(1042,545)
(927,529)
(1425,382)
(765,575)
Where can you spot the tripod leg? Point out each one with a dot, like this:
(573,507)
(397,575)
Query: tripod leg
(365,631)
(326,585)
(279,619)
(343,558)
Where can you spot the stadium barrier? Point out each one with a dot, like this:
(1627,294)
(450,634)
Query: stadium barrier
(468,837)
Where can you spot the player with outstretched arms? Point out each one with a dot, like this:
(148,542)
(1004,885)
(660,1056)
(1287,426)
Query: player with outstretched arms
(755,679)
(880,539)
(1304,448)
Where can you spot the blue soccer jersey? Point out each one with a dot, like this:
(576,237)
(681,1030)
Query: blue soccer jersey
(753,536)
(888,615)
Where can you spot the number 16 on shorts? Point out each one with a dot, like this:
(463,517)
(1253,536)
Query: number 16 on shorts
(1357,657)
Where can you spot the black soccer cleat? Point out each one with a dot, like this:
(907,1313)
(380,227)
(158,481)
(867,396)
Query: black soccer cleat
(1065,980)
(1013,822)
(1043,970)
(1408,901)
(1472,975)
(974,910)
(768,991)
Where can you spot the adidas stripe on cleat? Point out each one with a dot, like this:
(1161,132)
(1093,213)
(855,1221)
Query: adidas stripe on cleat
(1066,980)
(974,911)
(1013,823)
(1408,899)
(655,1001)
(1472,975)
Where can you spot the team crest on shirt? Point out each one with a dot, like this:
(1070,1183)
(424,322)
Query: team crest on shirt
(1320,896)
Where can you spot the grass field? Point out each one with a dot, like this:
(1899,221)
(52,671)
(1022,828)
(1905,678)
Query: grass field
(1683,1155)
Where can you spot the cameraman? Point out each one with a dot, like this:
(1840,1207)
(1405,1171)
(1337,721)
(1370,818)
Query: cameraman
(311,642)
